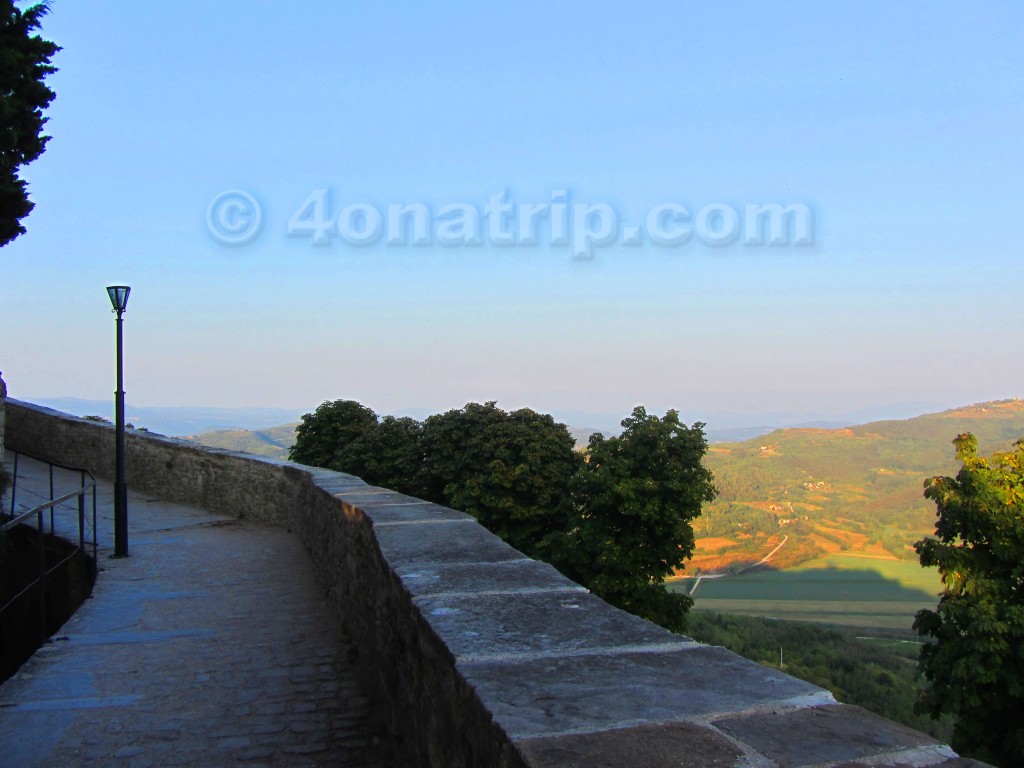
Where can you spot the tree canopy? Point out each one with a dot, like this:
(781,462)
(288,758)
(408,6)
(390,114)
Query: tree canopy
(617,518)
(509,470)
(636,497)
(325,437)
(975,666)
(24,65)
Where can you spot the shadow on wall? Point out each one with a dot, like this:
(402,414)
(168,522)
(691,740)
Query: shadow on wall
(69,581)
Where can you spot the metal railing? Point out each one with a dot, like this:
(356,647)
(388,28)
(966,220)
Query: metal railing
(87,484)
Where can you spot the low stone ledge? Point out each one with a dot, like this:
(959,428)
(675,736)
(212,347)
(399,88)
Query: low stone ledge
(3,413)
(831,734)
(265,490)
(478,656)
(506,578)
(559,623)
(442,541)
(612,690)
(651,746)
(420,512)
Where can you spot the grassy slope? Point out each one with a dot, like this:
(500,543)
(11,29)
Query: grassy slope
(854,491)
(836,589)
(273,441)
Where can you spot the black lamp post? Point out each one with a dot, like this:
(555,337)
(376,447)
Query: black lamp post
(119,300)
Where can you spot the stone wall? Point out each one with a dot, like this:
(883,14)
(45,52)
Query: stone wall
(3,398)
(479,656)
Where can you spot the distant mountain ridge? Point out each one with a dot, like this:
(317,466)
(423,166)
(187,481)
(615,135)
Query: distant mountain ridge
(721,426)
(176,421)
(274,442)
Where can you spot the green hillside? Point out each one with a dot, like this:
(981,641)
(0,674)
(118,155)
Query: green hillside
(855,491)
(273,441)
(852,492)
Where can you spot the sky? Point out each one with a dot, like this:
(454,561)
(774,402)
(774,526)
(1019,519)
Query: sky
(637,133)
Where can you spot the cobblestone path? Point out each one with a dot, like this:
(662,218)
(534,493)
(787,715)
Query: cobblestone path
(212,645)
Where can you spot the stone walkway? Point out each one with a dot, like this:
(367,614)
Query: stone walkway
(212,645)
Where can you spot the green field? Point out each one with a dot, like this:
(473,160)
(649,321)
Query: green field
(837,589)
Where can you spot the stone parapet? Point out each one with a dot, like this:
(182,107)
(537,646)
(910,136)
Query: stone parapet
(3,399)
(479,656)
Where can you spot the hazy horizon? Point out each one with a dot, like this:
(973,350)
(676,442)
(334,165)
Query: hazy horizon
(190,420)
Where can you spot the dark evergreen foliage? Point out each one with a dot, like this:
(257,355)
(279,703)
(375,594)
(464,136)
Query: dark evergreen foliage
(24,65)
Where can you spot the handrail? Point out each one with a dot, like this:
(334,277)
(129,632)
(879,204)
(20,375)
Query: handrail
(46,505)
(37,511)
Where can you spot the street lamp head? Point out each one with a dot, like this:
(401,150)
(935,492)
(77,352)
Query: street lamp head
(118,297)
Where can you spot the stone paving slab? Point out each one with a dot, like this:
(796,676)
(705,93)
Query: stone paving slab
(212,645)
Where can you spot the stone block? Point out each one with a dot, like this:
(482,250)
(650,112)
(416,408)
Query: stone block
(397,514)
(370,495)
(496,626)
(3,399)
(448,541)
(544,697)
(825,734)
(509,577)
(652,746)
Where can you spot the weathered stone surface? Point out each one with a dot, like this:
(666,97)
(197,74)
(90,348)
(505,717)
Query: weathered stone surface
(822,735)
(562,623)
(922,758)
(334,482)
(650,746)
(449,541)
(559,695)
(420,512)
(3,399)
(371,495)
(508,577)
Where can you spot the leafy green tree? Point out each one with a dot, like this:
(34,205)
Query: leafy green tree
(325,438)
(636,498)
(24,65)
(975,666)
(509,470)
(390,455)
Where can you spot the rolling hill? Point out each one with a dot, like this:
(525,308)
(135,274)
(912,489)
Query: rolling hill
(273,441)
(797,494)
(855,491)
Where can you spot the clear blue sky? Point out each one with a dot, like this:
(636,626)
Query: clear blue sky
(898,125)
